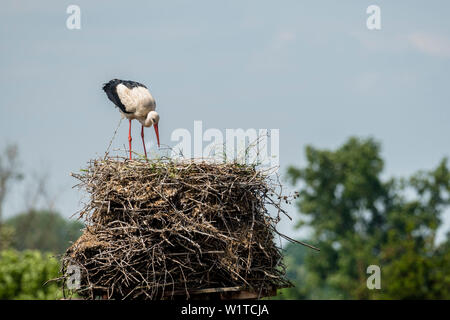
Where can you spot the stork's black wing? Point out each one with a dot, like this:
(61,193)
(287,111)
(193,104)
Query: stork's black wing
(132,84)
(111,92)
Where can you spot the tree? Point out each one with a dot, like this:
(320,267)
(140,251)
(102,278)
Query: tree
(359,219)
(23,275)
(8,173)
(43,230)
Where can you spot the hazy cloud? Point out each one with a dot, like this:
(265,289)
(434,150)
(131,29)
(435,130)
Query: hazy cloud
(274,56)
(373,41)
(431,44)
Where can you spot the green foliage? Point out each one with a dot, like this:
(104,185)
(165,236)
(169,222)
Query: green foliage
(418,276)
(23,275)
(359,219)
(6,236)
(43,230)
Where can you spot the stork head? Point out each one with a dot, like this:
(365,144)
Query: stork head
(153,119)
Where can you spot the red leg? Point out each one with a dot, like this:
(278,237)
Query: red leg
(143,142)
(129,138)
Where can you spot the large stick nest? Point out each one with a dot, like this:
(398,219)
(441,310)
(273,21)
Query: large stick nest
(157,228)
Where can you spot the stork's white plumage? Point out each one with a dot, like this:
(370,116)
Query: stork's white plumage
(135,102)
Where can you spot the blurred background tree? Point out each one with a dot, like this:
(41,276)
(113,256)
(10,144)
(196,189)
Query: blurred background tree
(43,230)
(9,172)
(358,219)
(30,241)
(23,275)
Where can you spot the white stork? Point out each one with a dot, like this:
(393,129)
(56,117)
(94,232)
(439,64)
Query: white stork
(135,102)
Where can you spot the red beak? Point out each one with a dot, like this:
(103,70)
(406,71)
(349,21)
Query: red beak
(157,133)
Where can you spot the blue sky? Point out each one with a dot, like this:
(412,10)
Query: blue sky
(310,68)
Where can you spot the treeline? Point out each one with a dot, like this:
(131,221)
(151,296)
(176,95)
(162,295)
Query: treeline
(359,219)
(31,241)
(42,230)
(32,244)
